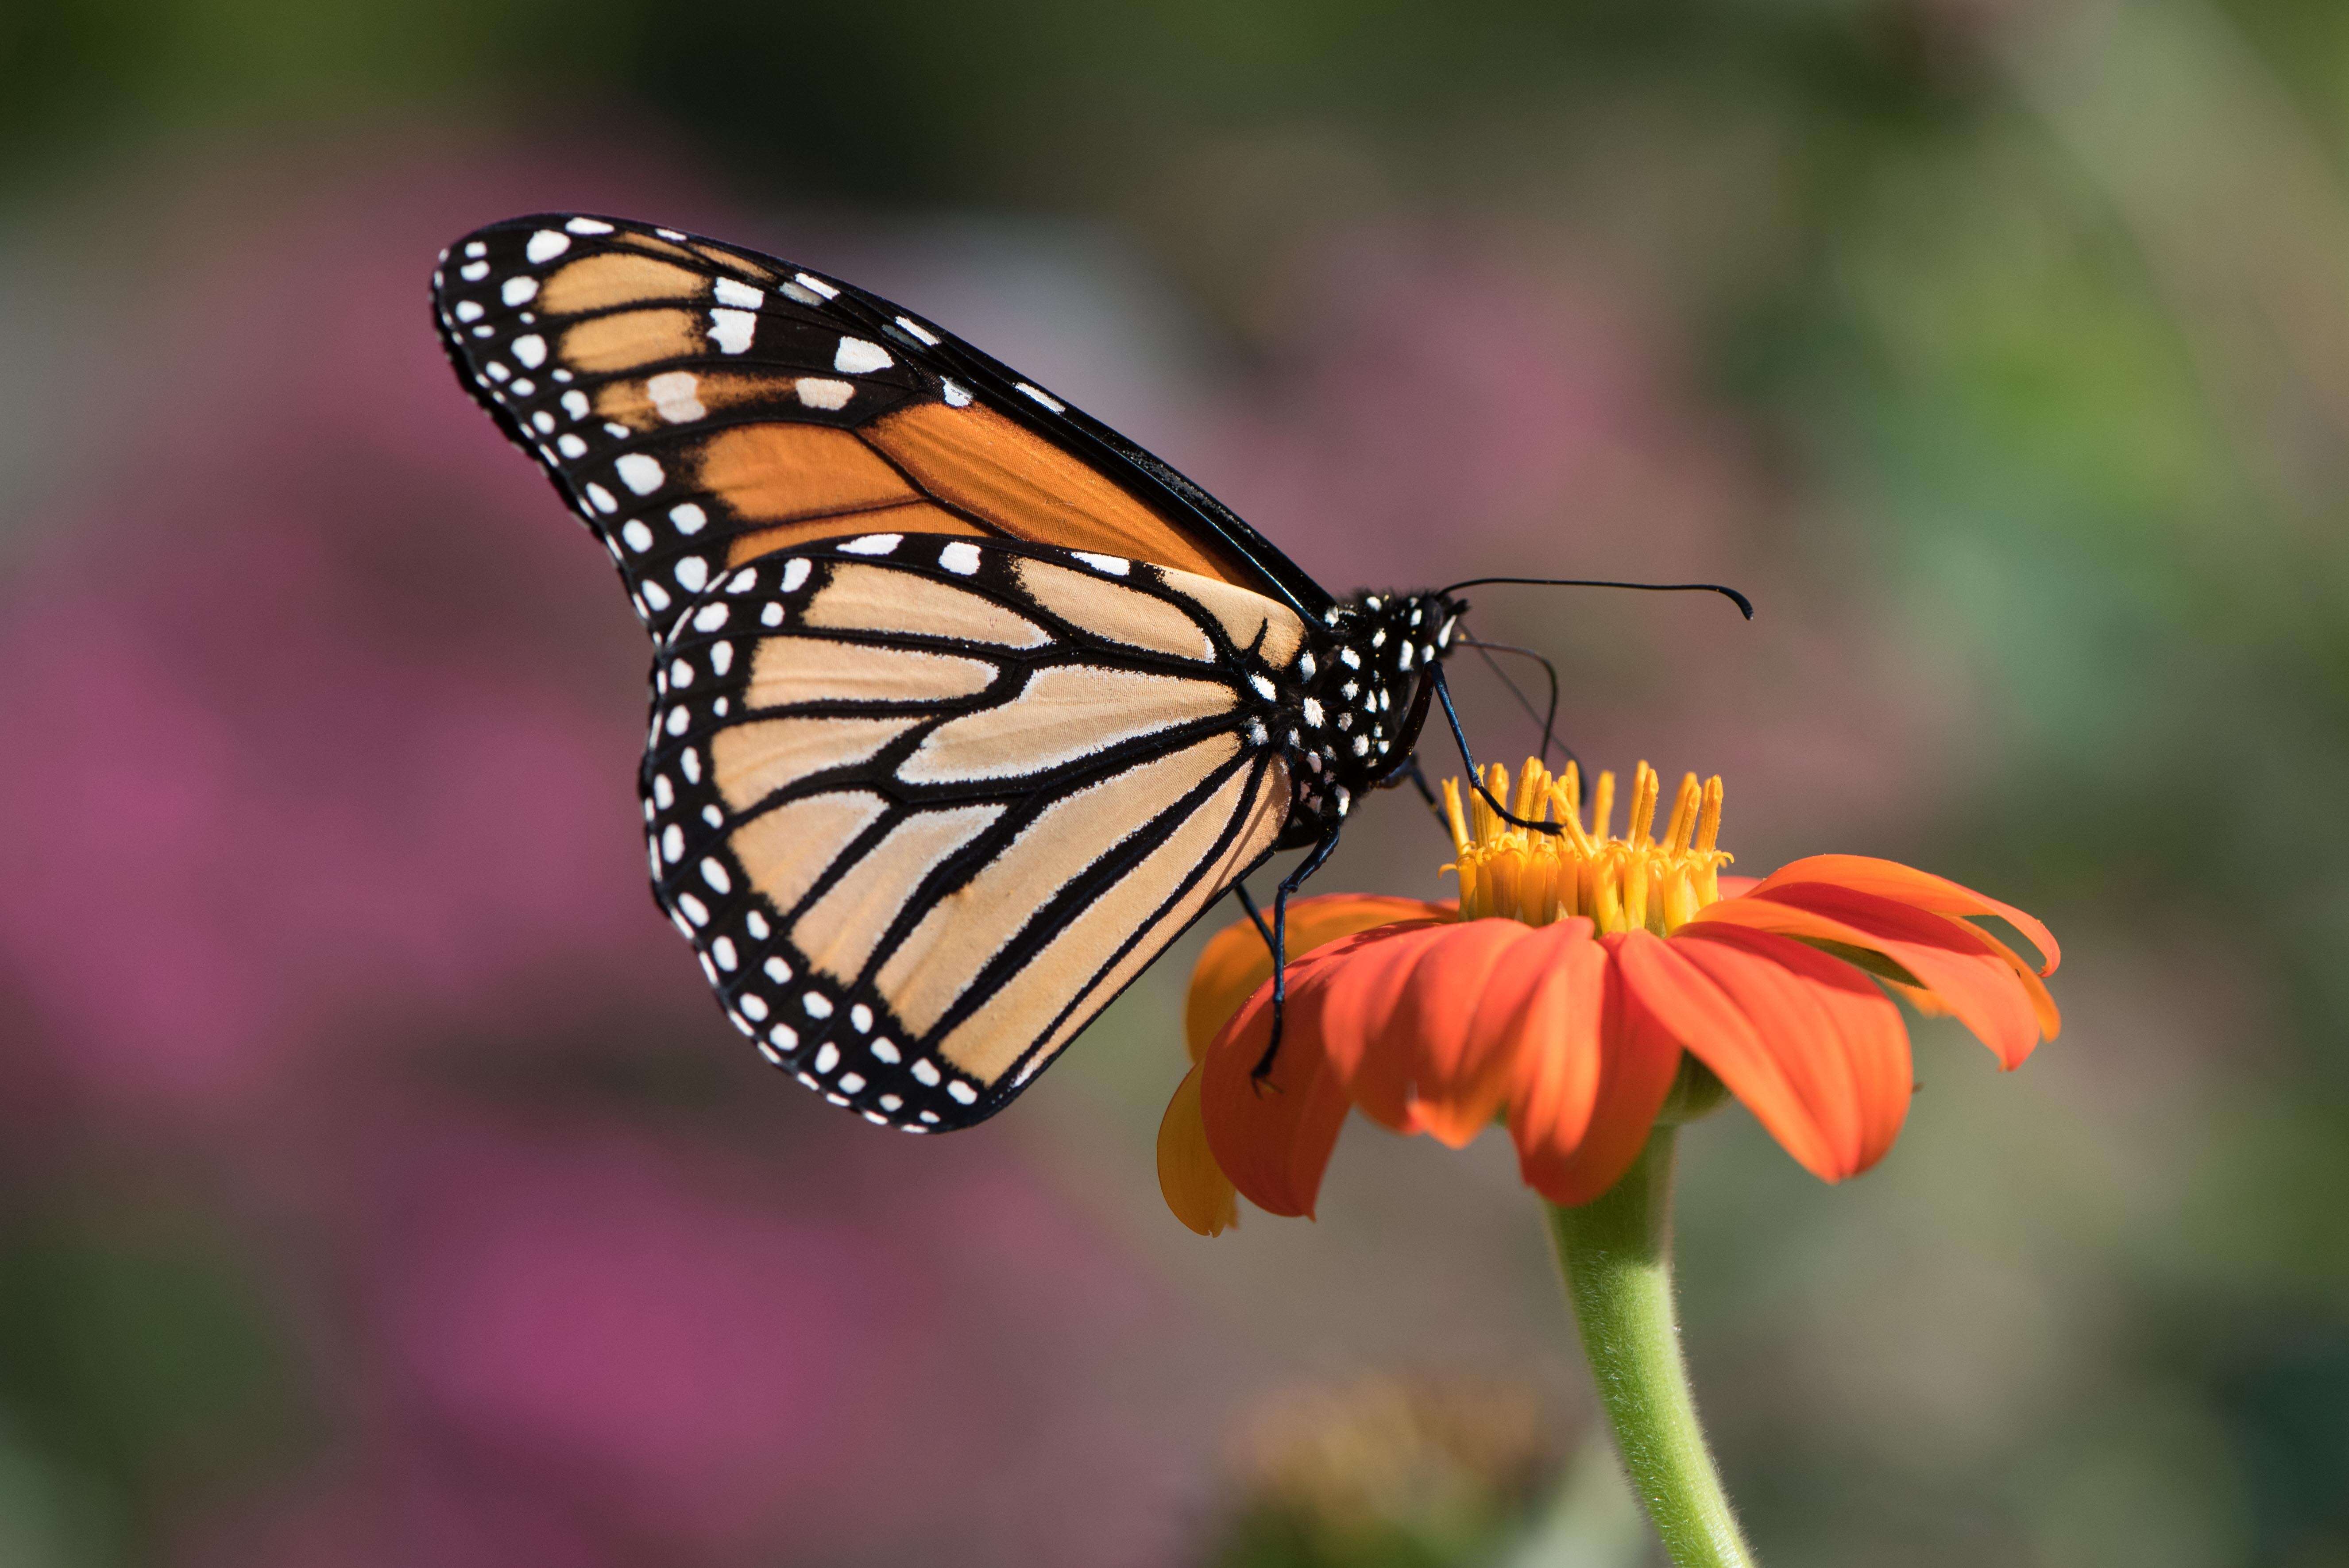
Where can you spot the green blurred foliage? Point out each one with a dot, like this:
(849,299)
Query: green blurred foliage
(144,1366)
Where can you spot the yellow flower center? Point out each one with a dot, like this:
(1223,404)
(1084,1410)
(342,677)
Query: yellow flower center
(1621,883)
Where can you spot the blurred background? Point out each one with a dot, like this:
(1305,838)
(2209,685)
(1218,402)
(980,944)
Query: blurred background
(378,1185)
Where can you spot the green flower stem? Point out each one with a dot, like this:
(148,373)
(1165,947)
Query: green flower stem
(1616,1256)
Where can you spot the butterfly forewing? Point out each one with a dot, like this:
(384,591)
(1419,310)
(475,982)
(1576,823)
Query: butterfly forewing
(925,803)
(700,406)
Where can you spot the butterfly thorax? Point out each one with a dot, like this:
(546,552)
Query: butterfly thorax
(1365,697)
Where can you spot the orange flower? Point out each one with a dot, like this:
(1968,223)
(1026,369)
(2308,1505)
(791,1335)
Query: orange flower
(1564,991)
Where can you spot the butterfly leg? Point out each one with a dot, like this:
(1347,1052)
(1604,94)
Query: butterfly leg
(1278,942)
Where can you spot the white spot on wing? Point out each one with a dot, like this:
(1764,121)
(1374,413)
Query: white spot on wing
(1111,564)
(519,291)
(1044,397)
(673,394)
(956,394)
(960,558)
(856,356)
(589,226)
(874,544)
(917,330)
(815,392)
(819,286)
(546,245)
(639,473)
(741,296)
(731,329)
(468,310)
(530,349)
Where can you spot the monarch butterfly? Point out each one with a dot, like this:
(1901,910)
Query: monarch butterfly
(963,706)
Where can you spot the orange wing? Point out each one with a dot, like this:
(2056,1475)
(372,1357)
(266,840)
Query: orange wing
(701,405)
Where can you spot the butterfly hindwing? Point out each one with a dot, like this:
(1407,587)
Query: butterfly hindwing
(699,405)
(925,803)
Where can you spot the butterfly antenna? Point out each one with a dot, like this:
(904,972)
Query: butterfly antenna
(1549,720)
(1745,605)
(1476,779)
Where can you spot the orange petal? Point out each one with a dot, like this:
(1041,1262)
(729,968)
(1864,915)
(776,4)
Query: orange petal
(1635,1060)
(1772,1062)
(1351,999)
(1551,996)
(1235,960)
(1522,1006)
(1918,890)
(1971,973)
(1857,1024)
(1273,1139)
(1425,1063)
(1193,1185)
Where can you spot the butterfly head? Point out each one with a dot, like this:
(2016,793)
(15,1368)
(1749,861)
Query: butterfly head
(1365,698)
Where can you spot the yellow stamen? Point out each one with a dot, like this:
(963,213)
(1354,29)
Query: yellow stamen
(1522,873)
